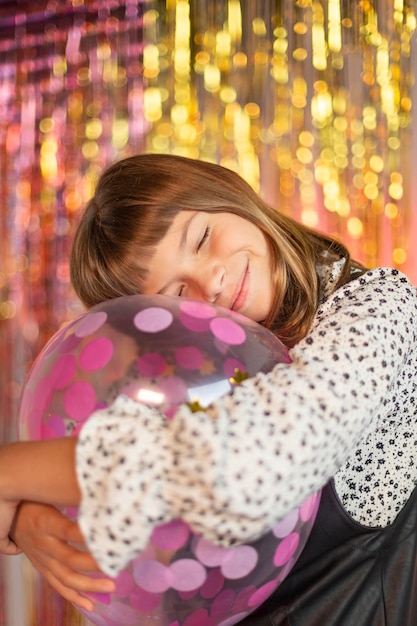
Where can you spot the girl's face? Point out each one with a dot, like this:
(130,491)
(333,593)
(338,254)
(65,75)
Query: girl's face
(214,257)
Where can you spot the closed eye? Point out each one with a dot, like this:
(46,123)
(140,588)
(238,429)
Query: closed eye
(204,238)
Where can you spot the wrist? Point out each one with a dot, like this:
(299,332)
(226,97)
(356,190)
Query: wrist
(42,471)
(9,477)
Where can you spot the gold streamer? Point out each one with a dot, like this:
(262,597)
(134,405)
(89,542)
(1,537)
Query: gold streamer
(310,101)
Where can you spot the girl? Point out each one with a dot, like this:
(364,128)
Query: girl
(342,416)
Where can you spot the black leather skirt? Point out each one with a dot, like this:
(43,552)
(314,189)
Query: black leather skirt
(348,574)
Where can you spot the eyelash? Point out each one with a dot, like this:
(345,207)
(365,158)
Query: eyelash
(199,246)
(204,238)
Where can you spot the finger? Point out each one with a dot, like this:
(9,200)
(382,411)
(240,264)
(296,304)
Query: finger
(74,569)
(56,547)
(55,523)
(72,587)
(75,557)
(79,581)
(8,547)
(69,531)
(51,552)
(72,595)
(7,514)
(76,572)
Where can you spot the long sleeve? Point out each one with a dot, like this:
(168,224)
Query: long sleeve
(232,471)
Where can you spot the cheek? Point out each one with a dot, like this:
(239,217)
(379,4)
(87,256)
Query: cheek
(269,255)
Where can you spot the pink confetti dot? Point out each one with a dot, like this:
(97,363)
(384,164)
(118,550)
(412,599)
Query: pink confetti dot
(151,364)
(144,600)
(80,400)
(213,584)
(71,512)
(62,372)
(170,411)
(262,593)
(239,562)
(53,428)
(103,598)
(153,319)
(309,507)
(124,584)
(286,549)
(228,331)
(230,365)
(200,617)
(90,323)
(68,344)
(210,554)
(189,357)
(242,599)
(195,316)
(174,389)
(171,536)
(199,310)
(96,354)
(286,525)
(222,603)
(194,324)
(187,574)
(188,595)
(152,576)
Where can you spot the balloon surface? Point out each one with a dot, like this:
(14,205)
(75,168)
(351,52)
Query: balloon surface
(164,351)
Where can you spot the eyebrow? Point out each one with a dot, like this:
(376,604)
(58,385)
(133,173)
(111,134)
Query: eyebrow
(183,241)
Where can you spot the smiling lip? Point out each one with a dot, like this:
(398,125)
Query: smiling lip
(242,292)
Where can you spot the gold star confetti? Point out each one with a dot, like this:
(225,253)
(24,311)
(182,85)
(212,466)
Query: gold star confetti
(239,377)
(195,406)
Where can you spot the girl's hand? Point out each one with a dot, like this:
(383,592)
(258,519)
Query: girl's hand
(7,514)
(46,536)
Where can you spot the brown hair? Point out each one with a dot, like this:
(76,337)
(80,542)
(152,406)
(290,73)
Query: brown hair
(134,204)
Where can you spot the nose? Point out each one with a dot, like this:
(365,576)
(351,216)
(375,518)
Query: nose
(208,282)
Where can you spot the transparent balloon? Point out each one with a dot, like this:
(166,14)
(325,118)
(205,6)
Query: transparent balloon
(164,351)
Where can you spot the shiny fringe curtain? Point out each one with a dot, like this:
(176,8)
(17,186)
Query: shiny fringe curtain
(312,101)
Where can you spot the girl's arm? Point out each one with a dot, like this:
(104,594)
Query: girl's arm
(42,471)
